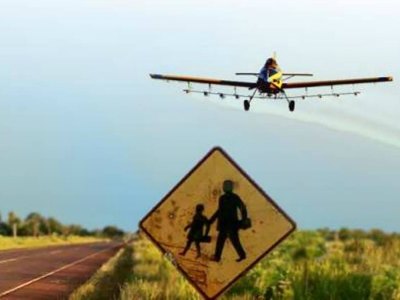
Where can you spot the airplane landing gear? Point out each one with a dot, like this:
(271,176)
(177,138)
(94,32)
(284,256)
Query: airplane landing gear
(290,102)
(246,105)
(291,105)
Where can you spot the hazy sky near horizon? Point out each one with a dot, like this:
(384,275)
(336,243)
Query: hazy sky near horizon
(87,137)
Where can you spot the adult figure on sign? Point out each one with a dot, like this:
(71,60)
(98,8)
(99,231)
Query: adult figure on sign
(228,221)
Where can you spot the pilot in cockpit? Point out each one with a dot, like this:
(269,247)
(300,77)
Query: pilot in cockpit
(270,68)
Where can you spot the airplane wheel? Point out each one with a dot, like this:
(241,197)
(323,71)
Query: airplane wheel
(246,105)
(291,105)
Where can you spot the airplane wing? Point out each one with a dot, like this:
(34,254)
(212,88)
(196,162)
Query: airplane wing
(204,80)
(295,85)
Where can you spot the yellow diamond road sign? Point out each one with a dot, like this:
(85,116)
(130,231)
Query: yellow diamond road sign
(216,224)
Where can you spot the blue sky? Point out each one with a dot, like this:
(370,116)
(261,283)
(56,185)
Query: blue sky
(87,137)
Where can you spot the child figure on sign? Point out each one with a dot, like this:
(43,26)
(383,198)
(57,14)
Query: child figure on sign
(196,233)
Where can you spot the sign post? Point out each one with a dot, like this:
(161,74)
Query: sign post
(216,224)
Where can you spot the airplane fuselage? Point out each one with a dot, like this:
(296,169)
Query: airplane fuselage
(270,79)
(268,88)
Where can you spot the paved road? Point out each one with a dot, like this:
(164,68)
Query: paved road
(51,272)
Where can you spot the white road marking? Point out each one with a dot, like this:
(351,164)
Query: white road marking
(8,260)
(26,256)
(35,254)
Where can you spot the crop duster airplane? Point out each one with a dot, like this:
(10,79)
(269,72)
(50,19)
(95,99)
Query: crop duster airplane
(271,83)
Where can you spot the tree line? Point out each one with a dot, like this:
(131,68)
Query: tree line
(344,234)
(36,225)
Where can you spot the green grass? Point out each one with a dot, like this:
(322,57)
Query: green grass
(309,265)
(105,284)
(306,266)
(33,242)
(153,277)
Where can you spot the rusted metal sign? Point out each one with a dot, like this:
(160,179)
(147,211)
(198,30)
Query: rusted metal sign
(216,224)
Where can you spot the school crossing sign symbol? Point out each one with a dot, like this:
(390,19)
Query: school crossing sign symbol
(216,224)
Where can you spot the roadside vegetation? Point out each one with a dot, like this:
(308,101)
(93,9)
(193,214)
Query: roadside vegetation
(107,281)
(36,230)
(322,264)
(154,277)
